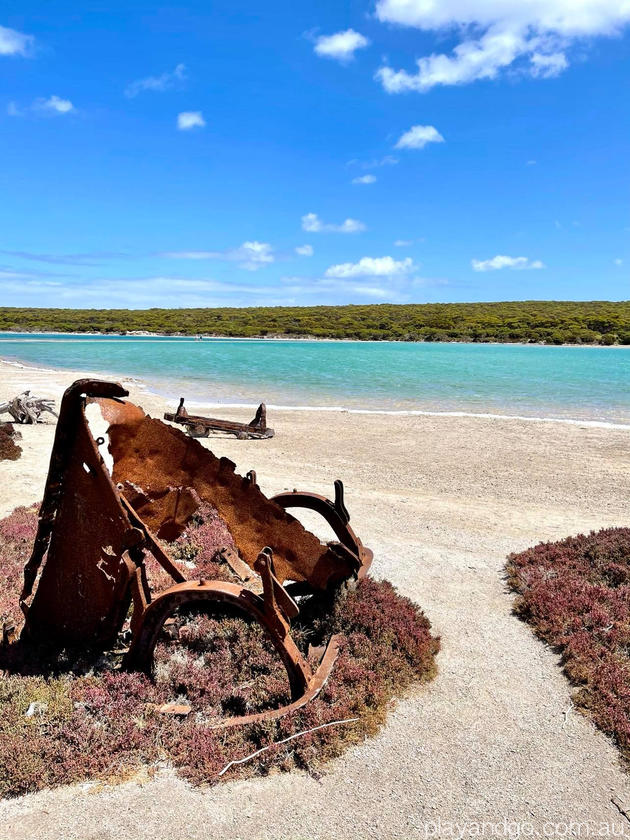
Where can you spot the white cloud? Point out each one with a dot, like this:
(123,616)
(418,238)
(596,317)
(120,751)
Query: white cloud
(13,42)
(418,136)
(54,104)
(547,66)
(364,179)
(190,119)
(165,81)
(254,255)
(532,35)
(313,224)
(501,261)
(403,243)
(340,46)
(372,267)
(250,255)
(305,250)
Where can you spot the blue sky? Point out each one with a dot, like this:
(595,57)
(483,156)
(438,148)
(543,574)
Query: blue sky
(264,154)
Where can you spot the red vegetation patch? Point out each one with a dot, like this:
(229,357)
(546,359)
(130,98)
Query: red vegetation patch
(68,717)
(9,450)
(576,595)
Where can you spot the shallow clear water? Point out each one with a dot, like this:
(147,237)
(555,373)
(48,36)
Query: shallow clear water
(588,383)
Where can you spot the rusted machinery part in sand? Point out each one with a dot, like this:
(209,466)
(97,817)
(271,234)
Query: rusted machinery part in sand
(198,426)
(9,449)
(27,409)
(95,531)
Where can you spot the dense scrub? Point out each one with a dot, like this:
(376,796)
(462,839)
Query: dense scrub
(554,322)
(75,716)
(576,595)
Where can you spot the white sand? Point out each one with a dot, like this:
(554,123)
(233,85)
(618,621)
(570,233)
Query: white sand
(441,500)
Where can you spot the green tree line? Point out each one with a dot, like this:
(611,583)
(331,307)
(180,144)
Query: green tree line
(551,322)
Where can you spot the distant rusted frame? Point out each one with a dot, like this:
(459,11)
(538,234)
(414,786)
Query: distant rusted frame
(198,426)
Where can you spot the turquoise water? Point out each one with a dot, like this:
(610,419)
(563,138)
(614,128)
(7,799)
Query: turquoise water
(583,383)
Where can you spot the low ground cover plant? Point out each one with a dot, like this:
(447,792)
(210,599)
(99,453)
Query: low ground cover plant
(576,595)
(76,716)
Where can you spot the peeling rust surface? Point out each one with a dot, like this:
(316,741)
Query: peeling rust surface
(95,530)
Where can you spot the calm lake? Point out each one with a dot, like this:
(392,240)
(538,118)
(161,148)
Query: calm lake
(581,383)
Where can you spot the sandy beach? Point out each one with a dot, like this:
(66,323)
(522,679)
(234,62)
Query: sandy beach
(441,501)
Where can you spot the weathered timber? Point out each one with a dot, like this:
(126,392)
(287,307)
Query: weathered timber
(198,426)
(27,409)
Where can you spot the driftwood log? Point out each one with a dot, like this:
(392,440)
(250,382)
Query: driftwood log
(27,409)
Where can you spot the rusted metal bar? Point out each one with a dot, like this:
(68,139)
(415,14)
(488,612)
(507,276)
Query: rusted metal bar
(198,426)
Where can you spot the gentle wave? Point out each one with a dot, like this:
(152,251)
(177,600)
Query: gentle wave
(339,409)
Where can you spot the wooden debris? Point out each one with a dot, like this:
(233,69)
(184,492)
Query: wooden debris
(27,409)
(198,426)
(284,741)
(622,807)
(174,709)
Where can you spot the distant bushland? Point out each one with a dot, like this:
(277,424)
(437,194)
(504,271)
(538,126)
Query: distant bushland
(549,322)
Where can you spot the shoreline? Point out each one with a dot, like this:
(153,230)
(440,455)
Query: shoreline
(282,337)
(143,385)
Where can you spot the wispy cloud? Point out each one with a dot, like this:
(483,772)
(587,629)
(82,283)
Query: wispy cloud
(13,42)
(165,81)
(372,267)
(386,160)
(418,136)
(341,46)
(530,37)
(91,258)
(393,289)
(52,105)
(313,224)
(250,255)
(364,179)
(187,120)
(501,261)
(137,292)
(304,250)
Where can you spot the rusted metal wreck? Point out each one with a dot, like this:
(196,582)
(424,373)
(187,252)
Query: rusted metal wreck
(198,426)
(96,531)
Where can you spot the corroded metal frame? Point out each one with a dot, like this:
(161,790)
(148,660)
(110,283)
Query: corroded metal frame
(88,561)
